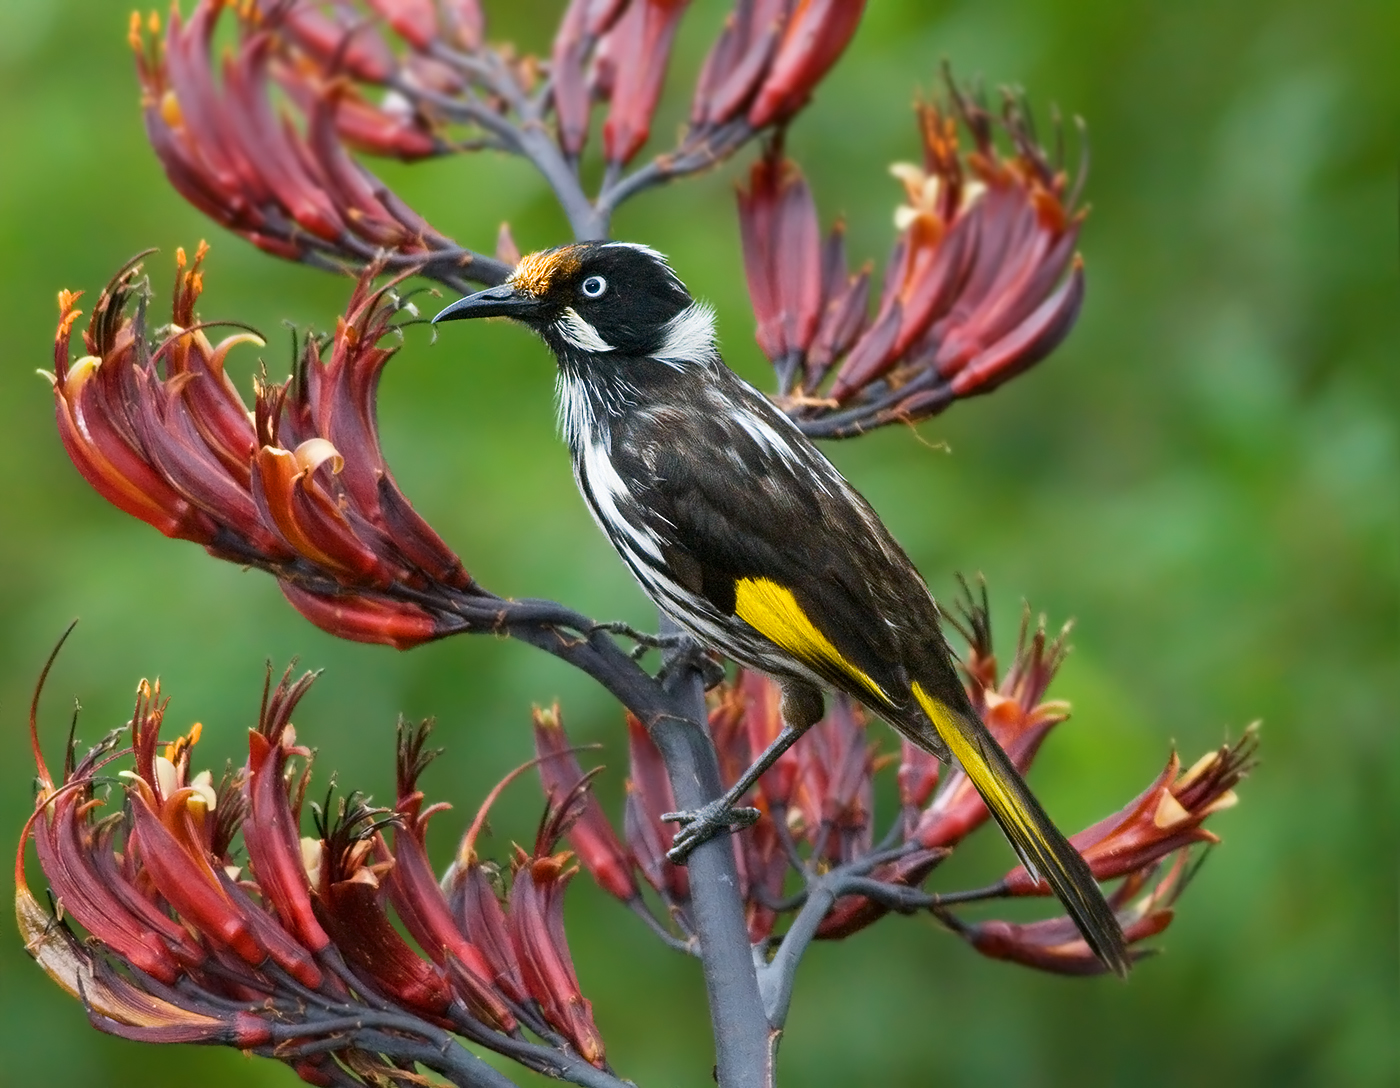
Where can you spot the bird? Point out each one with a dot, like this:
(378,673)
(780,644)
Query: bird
(748,537)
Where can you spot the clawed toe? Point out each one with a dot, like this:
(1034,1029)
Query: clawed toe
(699,826)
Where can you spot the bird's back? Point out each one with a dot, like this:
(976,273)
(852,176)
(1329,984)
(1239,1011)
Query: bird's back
(729,515)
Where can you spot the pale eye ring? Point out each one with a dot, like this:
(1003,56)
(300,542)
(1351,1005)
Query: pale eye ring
(593,287)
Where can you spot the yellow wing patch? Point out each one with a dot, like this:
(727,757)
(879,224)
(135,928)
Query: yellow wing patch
(772,611)
(536,271)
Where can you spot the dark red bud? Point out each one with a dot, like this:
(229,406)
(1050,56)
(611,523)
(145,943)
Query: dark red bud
(639,48)
(591,835)
(816,35)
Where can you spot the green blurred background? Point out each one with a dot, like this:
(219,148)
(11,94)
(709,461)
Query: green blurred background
(1204,476)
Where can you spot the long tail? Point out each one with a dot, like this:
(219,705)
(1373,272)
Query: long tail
(1037,840)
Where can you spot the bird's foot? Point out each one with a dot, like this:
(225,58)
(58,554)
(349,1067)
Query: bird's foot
(701,825)
(641,638)
(644,640)
(679,645)
(689,654)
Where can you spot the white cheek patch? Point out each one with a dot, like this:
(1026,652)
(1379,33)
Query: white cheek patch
(577,331)
(689,336)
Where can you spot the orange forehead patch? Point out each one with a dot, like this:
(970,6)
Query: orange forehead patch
(536,271)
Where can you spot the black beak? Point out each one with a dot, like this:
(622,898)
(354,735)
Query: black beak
(502,301)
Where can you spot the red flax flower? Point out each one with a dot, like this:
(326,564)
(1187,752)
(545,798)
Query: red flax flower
(769,57)
(591,836)
(983,281)
(1055,945)
(1163,819)
(760,71)
(583,24)
(536,920)
(293,954)
(632,59)
(412,79)
(296,194)
(815,35)
(297,486)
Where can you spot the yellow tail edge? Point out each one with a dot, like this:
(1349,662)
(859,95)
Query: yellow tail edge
(1037,841)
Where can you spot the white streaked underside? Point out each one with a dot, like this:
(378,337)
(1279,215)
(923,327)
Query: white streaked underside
(574,408)
(608,491)
(688,340)
(608,499)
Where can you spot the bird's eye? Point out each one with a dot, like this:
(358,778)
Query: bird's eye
(593,287)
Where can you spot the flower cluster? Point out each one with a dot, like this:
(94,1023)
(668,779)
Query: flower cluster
(983,281)
(196,911)
(413,79)
(760,71)
(211,918)
(295,193)
(291,951)
(818,831)
(298,485)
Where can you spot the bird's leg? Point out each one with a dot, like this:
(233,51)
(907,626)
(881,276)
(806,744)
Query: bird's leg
(802,708)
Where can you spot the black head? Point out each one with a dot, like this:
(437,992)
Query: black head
(593,297)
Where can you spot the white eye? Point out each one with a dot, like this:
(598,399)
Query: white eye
(593,287)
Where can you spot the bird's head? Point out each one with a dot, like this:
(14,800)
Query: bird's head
(597,298)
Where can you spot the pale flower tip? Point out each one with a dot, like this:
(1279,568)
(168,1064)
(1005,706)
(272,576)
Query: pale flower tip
(1170,812)
(312,851)
(1228,799)
(973,191)
(242,338)
(314,452)
(904,217)
(203,783)
(995,699)
(929,193)
(233,872)
(908,173)
(1197,769)
(167,780)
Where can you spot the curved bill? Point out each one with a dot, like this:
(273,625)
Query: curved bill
(502,301)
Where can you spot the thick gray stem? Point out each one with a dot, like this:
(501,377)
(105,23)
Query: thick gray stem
(744,1049)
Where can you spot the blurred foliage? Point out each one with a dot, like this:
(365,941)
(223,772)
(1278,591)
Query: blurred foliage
(1204,476)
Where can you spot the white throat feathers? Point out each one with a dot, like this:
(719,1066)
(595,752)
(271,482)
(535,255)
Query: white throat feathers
(689,337)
